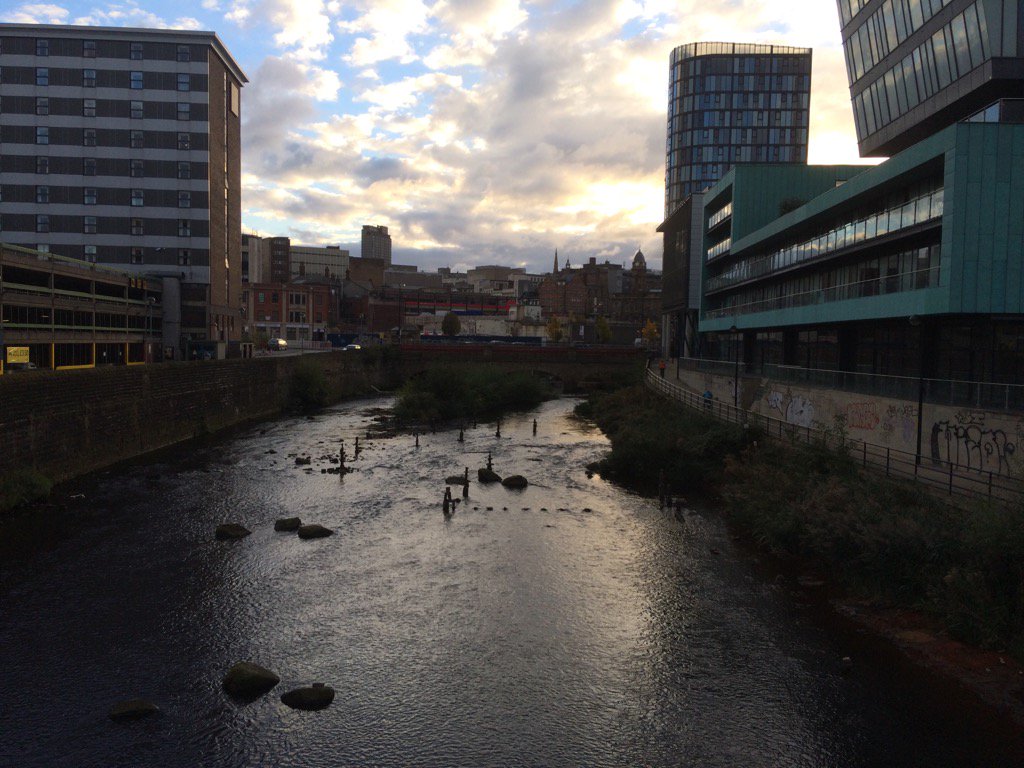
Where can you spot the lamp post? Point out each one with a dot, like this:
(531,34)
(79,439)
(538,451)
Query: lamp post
(736,369)
(150,301)
(915,322)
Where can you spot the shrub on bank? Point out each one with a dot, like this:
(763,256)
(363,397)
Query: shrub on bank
(451,394)
(23,486)
(308,390)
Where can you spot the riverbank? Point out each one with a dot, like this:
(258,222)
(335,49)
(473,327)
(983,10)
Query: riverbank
(897,561)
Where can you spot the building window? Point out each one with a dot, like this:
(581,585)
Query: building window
(43,247)
(136,53)
(88,107)
(88,78)
(89,166)
(184,140)
(42,164)
(184,53)
(136,81)
(184,81)
(136,110)
(137,198)
(184,110)
(42,106)
(184,257)
(89,196)
(136,255)
(42,135)
(184,170)
(261,297)
(42,223)
(89,49)
(90,253)
(89,225)
(135,140)
(184,228)
(184,199)
(136,226)
(136,170)
(42,76)
(42,47)
(42,194)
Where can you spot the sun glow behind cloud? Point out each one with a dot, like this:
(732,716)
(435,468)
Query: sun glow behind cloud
(477,130)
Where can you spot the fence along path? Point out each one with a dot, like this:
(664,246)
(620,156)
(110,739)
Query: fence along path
(944,477)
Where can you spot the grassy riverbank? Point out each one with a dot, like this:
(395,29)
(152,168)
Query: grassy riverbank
(877,539)
(465,394)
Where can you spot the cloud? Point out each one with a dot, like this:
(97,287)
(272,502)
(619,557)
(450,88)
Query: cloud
(302,27)
(35,13)
(383,31)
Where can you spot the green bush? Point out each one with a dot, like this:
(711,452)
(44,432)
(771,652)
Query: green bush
(450,394)
(23,486)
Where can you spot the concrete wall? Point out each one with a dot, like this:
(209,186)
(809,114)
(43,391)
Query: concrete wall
(978,439)
(66,423)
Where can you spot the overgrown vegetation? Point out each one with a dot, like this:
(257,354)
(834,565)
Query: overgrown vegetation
(451,394)
(650,435)
(877,539)
(23,486)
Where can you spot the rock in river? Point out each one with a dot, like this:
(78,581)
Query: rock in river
(247,680)
(485,475)
(314,531)
(317,696)
(514,481)
(133,709)
(287,524)
(231,532)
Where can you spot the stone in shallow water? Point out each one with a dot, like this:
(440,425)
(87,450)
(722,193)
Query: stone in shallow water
(231,532)
(248,681)
(485,475)
(287,524)
(317,696)
(515,482)
(314,531)
(133,709)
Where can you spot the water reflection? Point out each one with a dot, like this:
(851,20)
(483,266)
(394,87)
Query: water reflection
(572,624)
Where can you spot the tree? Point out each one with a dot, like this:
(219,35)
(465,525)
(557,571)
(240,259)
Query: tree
(554,330)
(604,333)
(451,325)
(650,333)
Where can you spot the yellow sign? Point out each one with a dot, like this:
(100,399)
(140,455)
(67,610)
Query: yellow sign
(17,355)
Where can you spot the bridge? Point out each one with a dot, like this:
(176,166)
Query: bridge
(578,368)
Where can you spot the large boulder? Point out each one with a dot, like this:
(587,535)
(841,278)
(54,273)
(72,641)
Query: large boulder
(314,531)
(485,475)
(133,709)
(515,481)
(231,532)
(246,680)
(317,696)
(455,480)
(287,524)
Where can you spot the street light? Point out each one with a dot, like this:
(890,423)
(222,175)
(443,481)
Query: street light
(915,322)
(736,370)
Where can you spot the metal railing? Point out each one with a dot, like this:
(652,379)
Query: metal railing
(944,477)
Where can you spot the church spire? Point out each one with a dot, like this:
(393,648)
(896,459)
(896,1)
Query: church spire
(555,271)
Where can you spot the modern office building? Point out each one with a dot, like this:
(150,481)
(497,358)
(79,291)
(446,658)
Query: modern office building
(121,147)
(914,267)
(728,103)
(917,65)
(376,243)
(329,261)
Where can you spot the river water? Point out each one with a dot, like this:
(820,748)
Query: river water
(570,624)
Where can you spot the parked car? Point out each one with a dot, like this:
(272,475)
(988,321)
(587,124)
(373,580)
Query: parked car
(352,346)
(12,367)
(278,345)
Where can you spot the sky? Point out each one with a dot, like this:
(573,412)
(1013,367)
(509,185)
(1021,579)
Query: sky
(477,131)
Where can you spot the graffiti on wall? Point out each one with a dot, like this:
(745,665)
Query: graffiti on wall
(862,416)
(900,422)
(795,409)
(966,441)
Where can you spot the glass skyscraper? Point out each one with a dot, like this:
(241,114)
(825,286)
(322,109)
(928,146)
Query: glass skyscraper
(732,103)
(916,66)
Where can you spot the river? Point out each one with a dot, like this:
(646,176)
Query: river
(570,624)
